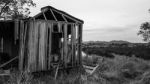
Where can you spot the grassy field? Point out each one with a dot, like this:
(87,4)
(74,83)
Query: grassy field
(120,70)
(117,70)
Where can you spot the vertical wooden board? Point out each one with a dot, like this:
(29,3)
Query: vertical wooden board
(39,58)
(16,34)
(65,45)
(25,44)
(42,46)
(59,27)
(75,47)
(21,50)
(80,43)
(50,43)
(72,43)
(77,44)
(62,49)
(46,45)
(38,41)
(30,46)
(35,46)
(39,51)
(33,65)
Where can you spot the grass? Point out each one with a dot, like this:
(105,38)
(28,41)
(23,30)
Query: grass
(64,77)
(117,70)
(122,70)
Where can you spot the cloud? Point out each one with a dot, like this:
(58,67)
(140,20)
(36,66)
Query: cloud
(127,33)
(113,29)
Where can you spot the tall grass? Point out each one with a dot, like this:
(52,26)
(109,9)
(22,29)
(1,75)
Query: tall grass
(117,70)
(73,76)
(121,70)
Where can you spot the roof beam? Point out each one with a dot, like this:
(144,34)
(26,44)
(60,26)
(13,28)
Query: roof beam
(64,18)
(44,16)
(53,15)
(67,16)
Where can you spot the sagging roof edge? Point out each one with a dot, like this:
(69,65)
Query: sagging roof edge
(62,12)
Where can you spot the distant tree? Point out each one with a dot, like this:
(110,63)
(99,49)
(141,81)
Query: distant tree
(15,8)
(145,31)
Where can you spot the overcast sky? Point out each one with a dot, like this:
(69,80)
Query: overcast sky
(105,20)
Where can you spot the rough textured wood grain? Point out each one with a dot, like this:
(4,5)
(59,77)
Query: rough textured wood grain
(37,45)
(65,45)
(80,43)
(42,46)
(73,44)
(49,44)
(30,47)
(21,52)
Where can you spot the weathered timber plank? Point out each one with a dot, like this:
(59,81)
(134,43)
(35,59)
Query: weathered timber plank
(77,44)
(80,43)
(46,45)
(42,46)
(21,51)
(38,39)
(35,46)
(73,44)
(30,46)
(65,45)
(16,34)
(49,46)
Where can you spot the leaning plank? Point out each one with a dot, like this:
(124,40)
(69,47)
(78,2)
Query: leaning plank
(4,74)
(56,71)
(8,62)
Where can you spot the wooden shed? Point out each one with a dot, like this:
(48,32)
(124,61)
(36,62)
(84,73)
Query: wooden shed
(49,39)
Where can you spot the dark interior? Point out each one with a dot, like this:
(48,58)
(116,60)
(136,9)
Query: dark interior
(9,48)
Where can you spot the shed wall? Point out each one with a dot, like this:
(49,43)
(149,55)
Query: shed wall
(41,46)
